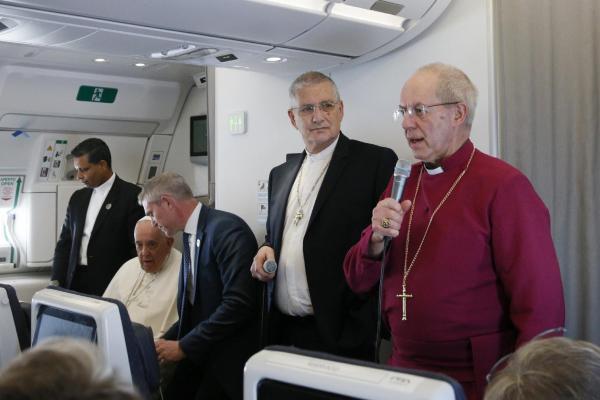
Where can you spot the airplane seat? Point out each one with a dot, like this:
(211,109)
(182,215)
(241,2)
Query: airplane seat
(26,308)
(14,337)
(140,350)
(14,331)
(281,372)
(145,342)
(139,344)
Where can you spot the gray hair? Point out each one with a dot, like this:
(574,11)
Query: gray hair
(62,368)
(308,79)
(166,183)
(554,368)
(453,85)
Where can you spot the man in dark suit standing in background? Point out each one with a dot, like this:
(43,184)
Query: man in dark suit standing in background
(97,235)
(217,330)
(319,202)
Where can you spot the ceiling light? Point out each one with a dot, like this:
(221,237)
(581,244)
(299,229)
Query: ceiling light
(312,6)
(100,60)
(361,15)
(275,59)
(183,52)
(139,64)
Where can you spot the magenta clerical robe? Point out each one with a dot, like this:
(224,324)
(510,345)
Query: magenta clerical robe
(486,279)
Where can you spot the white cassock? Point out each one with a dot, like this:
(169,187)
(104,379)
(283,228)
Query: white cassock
(151,299)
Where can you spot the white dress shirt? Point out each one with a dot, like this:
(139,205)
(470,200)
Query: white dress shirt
(98,196)
(291,290)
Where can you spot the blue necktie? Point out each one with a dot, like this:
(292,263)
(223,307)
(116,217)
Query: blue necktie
(187,268)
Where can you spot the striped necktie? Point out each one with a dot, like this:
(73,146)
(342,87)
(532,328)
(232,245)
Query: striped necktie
(187,268)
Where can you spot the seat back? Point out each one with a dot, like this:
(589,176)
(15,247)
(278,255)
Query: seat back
(279,372)
(143,361)
(145,343)
(115,334)
(14,330)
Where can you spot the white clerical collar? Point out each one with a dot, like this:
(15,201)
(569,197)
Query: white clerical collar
(435,171)
(192,223)
(323,154)
(105,187)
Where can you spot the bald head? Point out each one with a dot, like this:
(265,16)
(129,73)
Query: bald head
(452,84)
(152,245)
(439,104)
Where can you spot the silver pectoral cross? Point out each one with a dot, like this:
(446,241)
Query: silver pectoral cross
(299,215)
(404,296)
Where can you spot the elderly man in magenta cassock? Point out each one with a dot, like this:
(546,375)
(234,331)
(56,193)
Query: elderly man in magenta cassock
(472,272)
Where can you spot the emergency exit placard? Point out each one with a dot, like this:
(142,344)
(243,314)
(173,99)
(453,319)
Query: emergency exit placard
(96,94)
(10,188)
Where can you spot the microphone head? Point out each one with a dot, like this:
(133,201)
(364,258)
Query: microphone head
(270,266)
(402,169)
(401,174)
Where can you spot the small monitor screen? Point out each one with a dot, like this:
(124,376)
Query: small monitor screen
(152,171)
(52,322)
(198,136)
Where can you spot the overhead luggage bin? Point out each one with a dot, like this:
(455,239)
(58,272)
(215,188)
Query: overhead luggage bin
(228,33)
(350,31)
(54,96)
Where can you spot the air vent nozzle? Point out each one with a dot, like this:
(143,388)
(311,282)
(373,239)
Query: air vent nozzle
(6,24)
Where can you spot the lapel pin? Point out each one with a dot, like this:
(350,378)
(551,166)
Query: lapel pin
(108,206)
(197,242)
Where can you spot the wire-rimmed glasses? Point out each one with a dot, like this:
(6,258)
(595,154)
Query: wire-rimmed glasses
(418,110)
(307,110)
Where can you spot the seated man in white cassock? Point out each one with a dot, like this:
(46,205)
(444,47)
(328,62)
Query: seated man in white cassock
(147,284)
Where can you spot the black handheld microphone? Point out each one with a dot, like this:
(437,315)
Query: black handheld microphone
(401,174)
(269,266)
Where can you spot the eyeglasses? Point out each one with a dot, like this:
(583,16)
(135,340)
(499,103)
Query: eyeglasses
(419,110)
(502,361)
(306,110)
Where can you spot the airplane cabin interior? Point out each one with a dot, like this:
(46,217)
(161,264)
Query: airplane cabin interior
(200,88)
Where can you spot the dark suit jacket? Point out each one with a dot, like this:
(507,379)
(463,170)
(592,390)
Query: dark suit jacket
(356,177)
(219,332)
(111,242)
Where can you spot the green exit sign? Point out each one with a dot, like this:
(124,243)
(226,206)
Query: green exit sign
(96,94)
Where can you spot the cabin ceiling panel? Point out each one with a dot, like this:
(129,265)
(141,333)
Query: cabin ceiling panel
(263,21)
(350,32)
(358,30)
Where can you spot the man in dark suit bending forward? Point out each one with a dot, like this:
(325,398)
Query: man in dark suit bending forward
(217,330)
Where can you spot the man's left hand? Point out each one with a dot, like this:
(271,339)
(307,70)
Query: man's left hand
(168,350)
